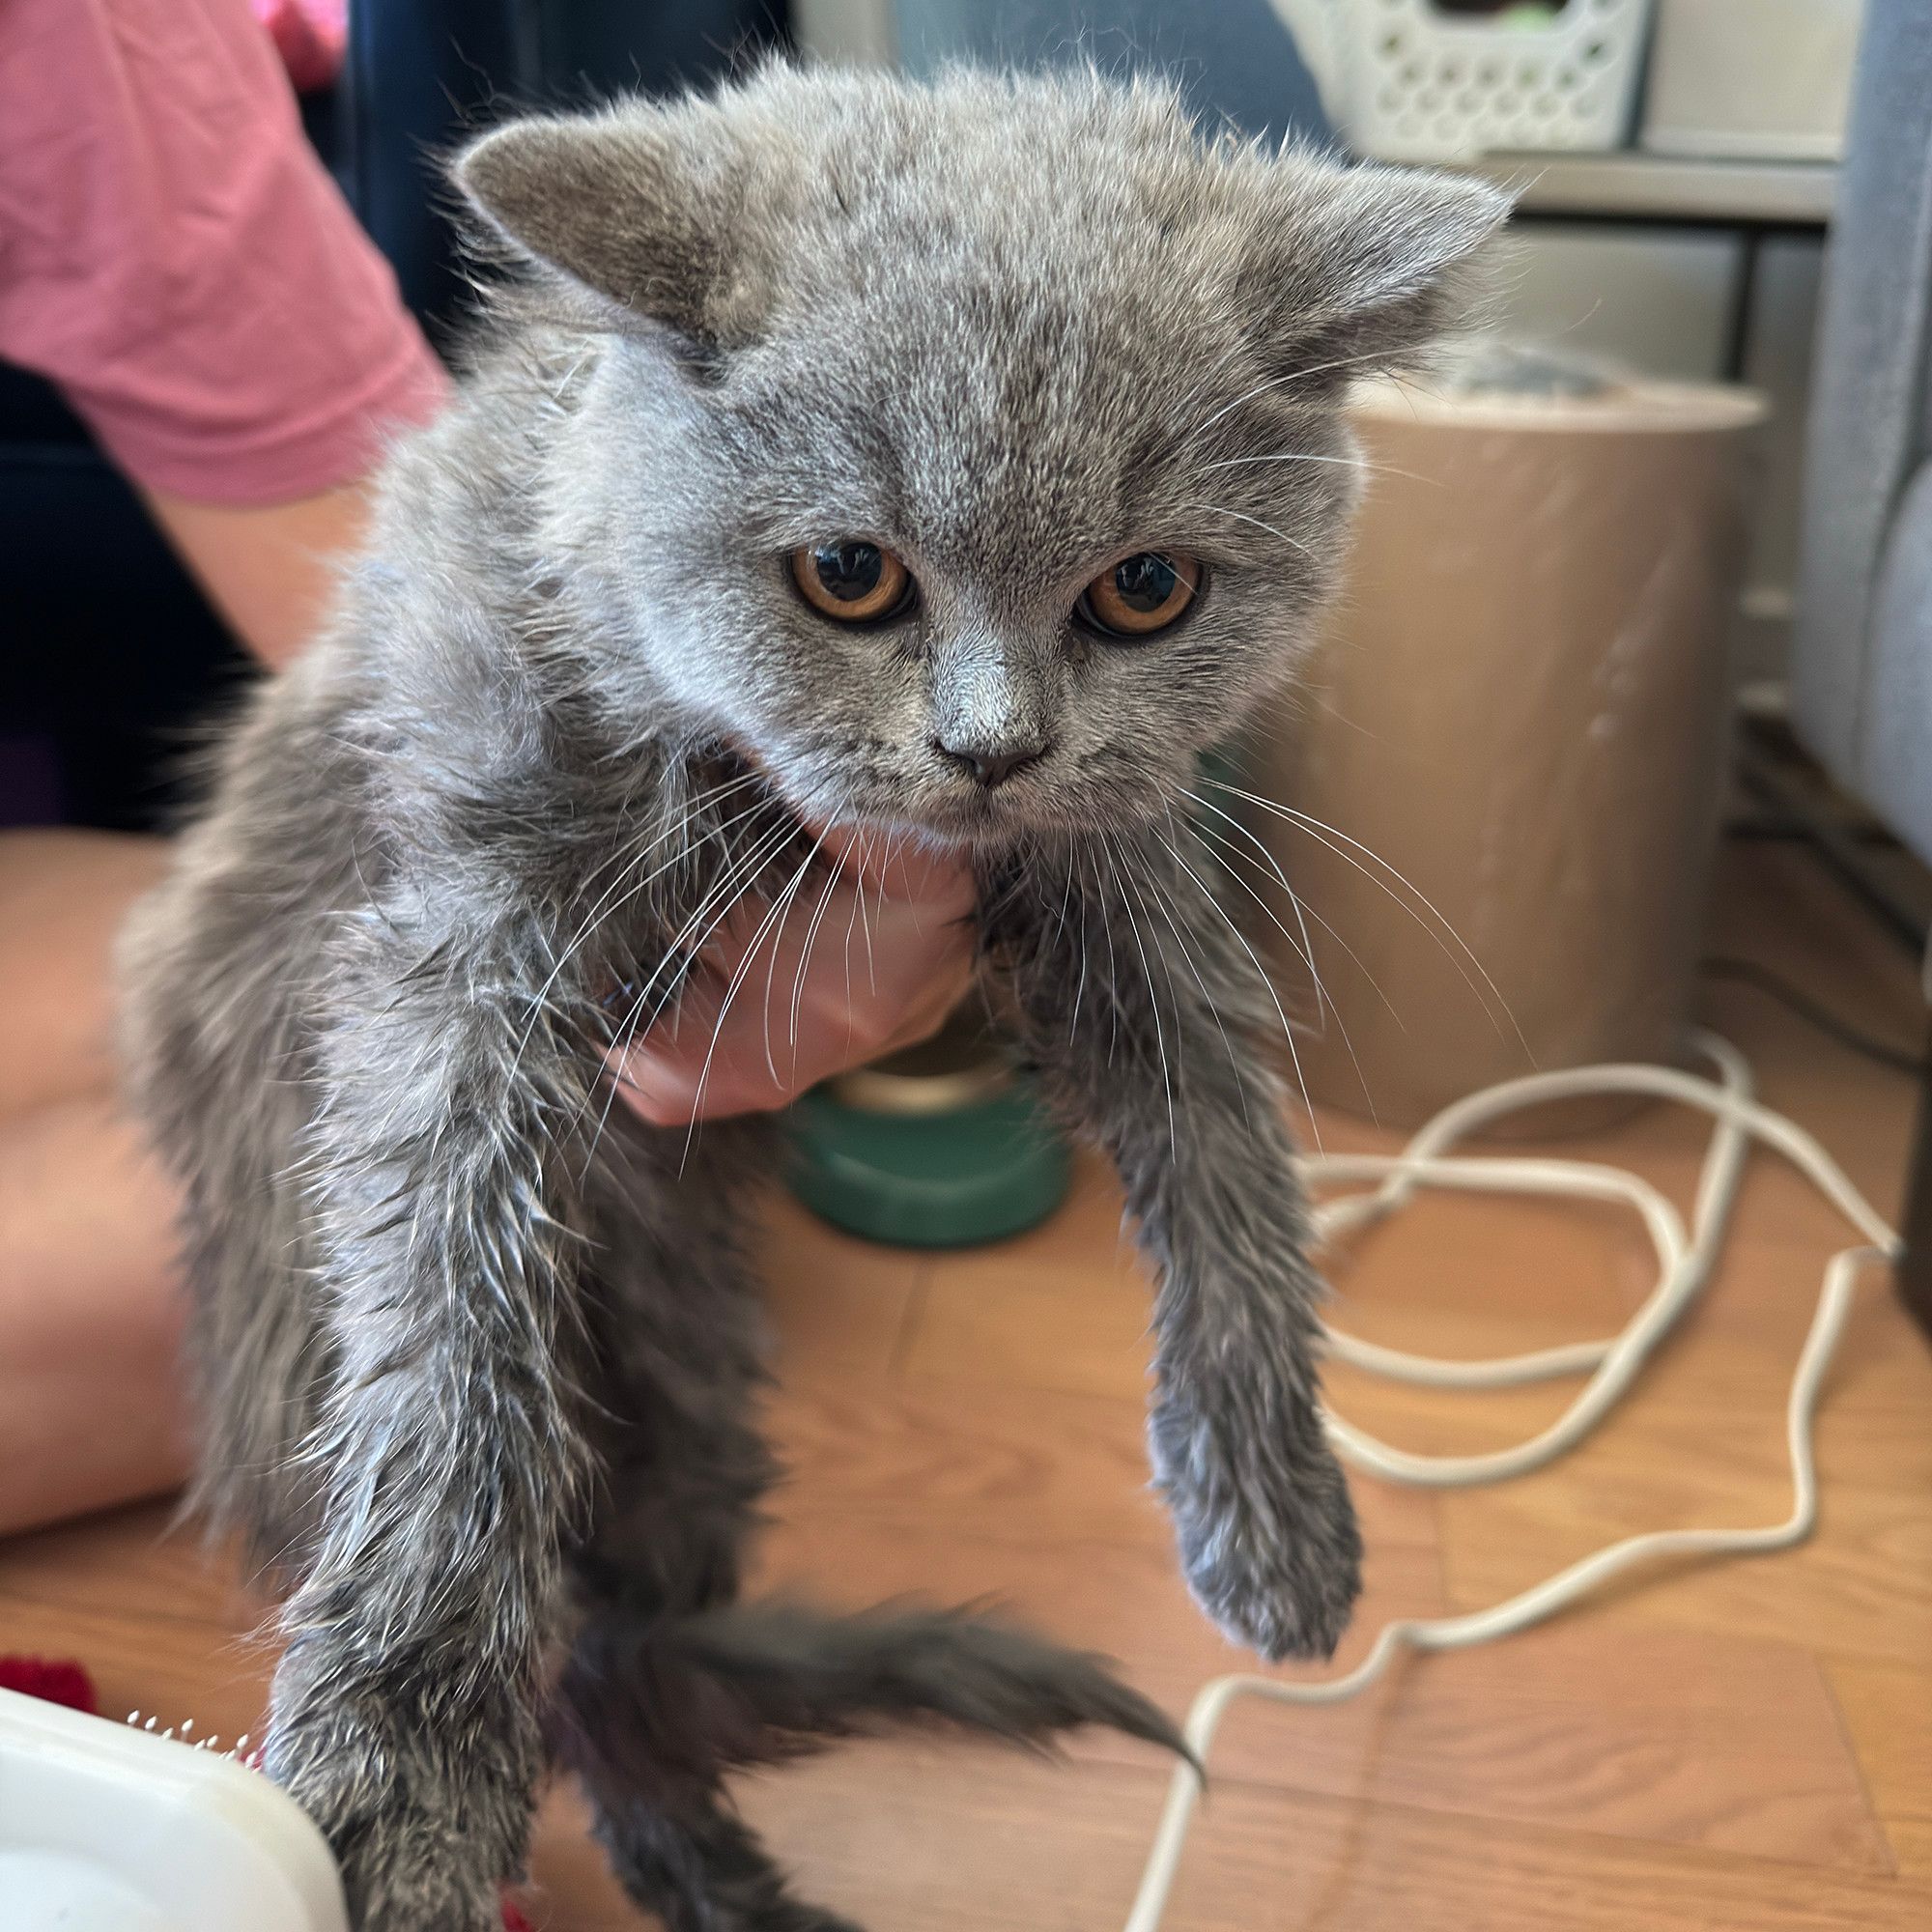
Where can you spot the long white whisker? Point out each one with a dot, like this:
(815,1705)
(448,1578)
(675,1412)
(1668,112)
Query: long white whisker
(1242,517)
(1113,965)
(1229,849)
(1267,980)
(1325,833)
(1280,382)
(716,904)
(778,945)
(1079,984)
(1132,882)
(1360,463)
(776,913)
(1220,362)
(1304,948)
(1233,851)
(627,856)
(804,959)
(714,907)
(1153,998)
(851,924)
(865,921)
(1274,872)
(724,894)
(1167,912)
(1323,1003)
(602,911)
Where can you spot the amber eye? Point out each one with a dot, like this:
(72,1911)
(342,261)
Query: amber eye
(854,581)
(1140,595)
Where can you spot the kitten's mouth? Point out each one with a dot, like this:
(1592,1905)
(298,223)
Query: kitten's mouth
(988,819)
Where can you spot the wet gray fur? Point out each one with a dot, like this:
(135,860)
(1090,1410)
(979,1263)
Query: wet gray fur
(477,1352)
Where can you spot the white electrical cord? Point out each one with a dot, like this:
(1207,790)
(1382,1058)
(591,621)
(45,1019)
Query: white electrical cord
(1684,1266)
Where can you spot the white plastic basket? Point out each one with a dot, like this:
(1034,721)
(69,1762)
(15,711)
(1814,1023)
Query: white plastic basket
(1422,85)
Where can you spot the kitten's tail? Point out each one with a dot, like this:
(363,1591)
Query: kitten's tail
(758,1683)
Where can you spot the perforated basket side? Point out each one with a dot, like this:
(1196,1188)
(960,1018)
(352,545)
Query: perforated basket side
(1428,86)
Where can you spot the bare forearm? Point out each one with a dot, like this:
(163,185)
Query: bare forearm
(92,1410)
(91,1405)
(269,568)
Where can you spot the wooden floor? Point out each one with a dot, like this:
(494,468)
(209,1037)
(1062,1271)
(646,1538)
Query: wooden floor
(1739,1745)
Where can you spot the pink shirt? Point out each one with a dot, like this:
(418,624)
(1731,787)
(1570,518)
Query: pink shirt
(176,257)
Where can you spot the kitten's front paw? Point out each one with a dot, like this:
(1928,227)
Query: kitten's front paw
(1261,1512)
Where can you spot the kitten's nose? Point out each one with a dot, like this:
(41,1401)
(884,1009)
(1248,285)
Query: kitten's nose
(990,767)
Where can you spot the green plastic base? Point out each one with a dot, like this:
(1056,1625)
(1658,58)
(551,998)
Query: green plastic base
(949,1180)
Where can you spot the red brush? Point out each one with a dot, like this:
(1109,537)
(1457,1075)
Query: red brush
(52,1680)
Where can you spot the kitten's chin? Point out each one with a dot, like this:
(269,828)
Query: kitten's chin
(980,820)
(957,829)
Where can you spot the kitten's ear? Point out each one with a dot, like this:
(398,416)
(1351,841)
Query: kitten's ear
(1363,267)
(623,203)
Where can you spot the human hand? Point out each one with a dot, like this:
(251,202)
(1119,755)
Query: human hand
(868,957)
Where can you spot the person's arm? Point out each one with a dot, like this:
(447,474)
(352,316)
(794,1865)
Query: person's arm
(269,568)
(179,262)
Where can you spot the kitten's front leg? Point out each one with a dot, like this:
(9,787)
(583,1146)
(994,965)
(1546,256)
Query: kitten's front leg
(406,1709)
(1149,1017)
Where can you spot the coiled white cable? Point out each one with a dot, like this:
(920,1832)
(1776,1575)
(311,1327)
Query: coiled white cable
(1685,1261)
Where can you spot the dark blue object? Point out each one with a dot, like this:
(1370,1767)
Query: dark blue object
(109,650)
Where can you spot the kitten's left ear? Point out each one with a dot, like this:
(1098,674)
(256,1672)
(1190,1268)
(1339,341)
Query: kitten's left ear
(633,205)
(1363,267)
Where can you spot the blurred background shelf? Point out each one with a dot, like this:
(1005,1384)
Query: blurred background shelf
(1626,186)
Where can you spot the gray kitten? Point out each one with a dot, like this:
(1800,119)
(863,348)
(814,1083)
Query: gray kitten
(955,460)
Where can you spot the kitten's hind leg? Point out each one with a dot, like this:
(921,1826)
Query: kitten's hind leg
(653,1716)
(706,1872)
(676,1319)
(649,1744)
(651,1763)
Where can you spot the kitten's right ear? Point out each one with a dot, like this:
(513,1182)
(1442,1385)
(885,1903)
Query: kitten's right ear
(1356,268)
(621,204)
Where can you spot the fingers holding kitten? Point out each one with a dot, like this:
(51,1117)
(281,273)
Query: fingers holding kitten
(868,955)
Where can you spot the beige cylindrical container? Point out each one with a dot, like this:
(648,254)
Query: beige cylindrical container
(1519,709)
